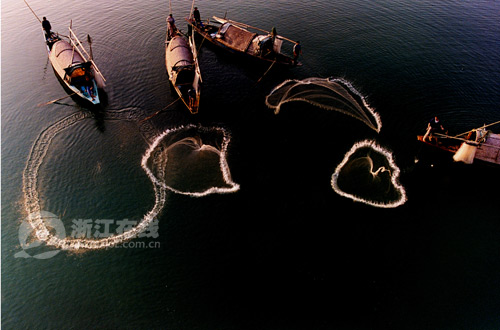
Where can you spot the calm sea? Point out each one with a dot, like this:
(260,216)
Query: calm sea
(285,251)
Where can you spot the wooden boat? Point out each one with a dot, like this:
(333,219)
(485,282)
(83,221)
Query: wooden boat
(181,60)
(74,66)
(478,144)
(240,38)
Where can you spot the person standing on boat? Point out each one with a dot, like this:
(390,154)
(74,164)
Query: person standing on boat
(46,27)
(433,126)
(297,50)
(197,17)
(171,26)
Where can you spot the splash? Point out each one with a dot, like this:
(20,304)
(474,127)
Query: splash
(156,157)
(330,94)
(369,174)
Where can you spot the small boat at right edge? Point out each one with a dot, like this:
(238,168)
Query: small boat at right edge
(477,144)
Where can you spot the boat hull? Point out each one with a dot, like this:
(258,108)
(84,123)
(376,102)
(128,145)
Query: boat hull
(486,152)
(183,71)
(245,48)
(62,57)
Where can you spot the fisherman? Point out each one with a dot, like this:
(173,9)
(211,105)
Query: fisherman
(433,127)
(46,27)
(274,33)
(192,97)
(297,50)
(197,17)
(171,26)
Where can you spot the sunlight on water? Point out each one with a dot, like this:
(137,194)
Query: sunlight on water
(330,94)
(369,174)
(189,152)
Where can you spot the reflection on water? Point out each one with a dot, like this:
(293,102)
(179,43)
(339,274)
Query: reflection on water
(330,94)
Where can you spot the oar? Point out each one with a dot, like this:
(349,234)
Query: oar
(157,112)
(258,81)
(59,99)
(89,39)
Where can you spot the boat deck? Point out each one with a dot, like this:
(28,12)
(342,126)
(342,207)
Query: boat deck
(490,150)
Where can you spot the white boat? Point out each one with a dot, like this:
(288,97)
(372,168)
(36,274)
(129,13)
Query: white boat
(74,66)
(181,60)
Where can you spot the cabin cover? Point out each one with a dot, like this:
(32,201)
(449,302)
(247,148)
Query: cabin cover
(236,37)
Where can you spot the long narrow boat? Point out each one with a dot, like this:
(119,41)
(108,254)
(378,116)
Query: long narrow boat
(181,60)
(242,39)
(477,144)
(74,66)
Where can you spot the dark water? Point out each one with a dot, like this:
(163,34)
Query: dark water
(285,251)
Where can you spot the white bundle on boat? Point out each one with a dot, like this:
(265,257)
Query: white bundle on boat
(465,153)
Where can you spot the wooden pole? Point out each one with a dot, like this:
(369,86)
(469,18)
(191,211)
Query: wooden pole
(497,122)
(32,11)
(464,140)
(58,99)
(83,49)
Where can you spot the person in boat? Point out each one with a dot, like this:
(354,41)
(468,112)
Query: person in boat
(171,26)
(46,27)
(197,17)
(274,33)
(434,126)
(297,50)
(192,97)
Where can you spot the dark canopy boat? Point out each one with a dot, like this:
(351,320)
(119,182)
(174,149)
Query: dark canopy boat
(240,38)
(74,66)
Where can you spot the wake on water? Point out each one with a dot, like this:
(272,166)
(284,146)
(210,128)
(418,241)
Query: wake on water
(176,144)
(358,177)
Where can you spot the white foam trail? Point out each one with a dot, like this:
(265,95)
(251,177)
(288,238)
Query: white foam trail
(39,151)
(394,175)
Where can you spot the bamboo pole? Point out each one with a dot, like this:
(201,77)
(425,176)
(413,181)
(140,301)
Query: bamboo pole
(464,140)
(472,130)
(32,11)
(73,35)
